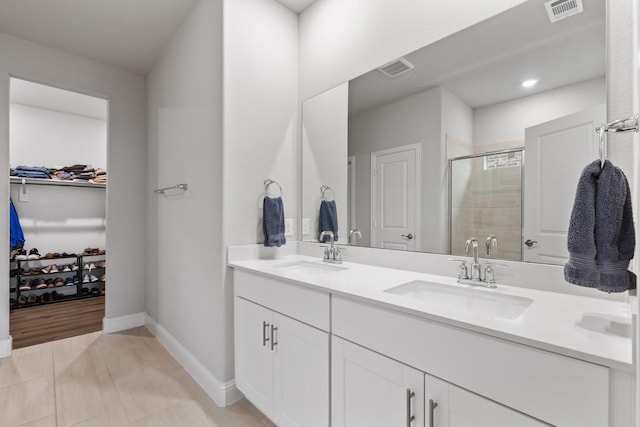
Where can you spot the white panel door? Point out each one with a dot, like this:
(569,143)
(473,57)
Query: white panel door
(556,153)
(395,198)
(450,406)
(301,374)
(370,390)
(253,354)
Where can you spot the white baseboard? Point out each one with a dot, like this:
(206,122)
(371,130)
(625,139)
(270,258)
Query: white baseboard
(223,393)
(5,347)
(122,323)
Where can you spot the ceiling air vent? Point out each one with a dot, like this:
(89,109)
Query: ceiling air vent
(560,9)
(397,67)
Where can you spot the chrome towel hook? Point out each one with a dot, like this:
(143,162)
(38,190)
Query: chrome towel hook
(268,182)
(324,188)
(630,124)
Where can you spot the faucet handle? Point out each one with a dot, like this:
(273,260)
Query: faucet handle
(463,273)
(489,271)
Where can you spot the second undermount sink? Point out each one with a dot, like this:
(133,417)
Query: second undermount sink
(309,267)
(487,303)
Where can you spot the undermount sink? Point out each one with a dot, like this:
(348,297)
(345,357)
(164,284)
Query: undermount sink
(484,302)
(309,267)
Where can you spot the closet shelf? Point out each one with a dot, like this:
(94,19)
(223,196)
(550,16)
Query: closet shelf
(55,182)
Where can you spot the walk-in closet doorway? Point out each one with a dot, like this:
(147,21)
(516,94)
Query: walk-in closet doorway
(58,180)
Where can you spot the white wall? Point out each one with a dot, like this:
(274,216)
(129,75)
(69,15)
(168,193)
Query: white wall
(324,144)
(41,137)
(61,219)
(507,121)
(342,39)
(184,291)
(260,122)
(125,156)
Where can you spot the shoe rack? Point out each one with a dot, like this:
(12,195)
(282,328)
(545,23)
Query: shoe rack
(43,281)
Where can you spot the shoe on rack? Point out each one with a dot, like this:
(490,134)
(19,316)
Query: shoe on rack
(103,278)
(26,285)
(86,279)
(21,255)
(22,300)
(49,283)
(102,291)
(95,291)
(32,299)
(46,297)
(40,284)
(74,267)
(57,282)
(101,264)
(34,254)
(66,268)
(69,281)
(93,278)
(85,291)
(46,270)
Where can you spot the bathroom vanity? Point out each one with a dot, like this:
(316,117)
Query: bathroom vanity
(319,344)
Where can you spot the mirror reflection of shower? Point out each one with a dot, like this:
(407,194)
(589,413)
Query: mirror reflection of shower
(485,200)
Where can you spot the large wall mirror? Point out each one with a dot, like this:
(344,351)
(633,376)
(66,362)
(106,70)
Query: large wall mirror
(482,134)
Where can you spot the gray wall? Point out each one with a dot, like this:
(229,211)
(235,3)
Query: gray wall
(125,156)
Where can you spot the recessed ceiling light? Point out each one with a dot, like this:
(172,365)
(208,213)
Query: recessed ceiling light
(529,83)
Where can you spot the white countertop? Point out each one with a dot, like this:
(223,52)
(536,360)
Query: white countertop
(591,329)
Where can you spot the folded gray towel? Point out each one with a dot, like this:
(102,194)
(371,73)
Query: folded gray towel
(581,269)
(273,221)
(614,233)
(601,238)
(329,218)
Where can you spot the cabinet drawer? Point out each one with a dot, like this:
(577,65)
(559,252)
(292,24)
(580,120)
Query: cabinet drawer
(306,305)
(556,389)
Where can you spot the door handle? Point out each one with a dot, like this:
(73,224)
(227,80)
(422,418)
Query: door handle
(432,406)
(410,417)
(531,243)
(274,343)
(264,333)
(407,236)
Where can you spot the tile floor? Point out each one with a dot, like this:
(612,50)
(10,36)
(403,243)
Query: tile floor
(110,380)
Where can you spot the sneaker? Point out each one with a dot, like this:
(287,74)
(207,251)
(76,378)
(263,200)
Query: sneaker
(46,270)
(22,300)
(26,285)
(34,254)
(58,282)
(74,267)
(103,278)
(66,268)
(53,269)
(86,279)
(93,278)
(69,281)
(21,255)
(40,284)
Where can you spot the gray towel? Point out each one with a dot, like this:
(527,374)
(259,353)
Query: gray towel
(329,218)
(615,233)
(601,237)
(273,221)
(582,268)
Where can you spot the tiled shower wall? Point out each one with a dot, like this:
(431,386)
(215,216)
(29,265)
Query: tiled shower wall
(486,202)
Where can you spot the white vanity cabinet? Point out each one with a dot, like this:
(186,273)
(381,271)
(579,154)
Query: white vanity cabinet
(282,364)
(371,390)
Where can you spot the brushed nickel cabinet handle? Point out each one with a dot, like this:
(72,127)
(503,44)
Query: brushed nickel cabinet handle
(432,406)
(274,343)
(264,333)
(410,417)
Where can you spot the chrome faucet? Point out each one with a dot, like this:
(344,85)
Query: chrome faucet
(331,254)
(354,233)
(491,242)
(472,244)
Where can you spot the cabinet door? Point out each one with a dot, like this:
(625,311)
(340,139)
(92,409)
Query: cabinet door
(370,390)
(457,407)
(301,374)
(253,354)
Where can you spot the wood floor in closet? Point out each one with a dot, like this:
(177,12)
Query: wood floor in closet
(39,324)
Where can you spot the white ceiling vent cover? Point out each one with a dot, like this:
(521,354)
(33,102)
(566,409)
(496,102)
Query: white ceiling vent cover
(397,67)
(560,9)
